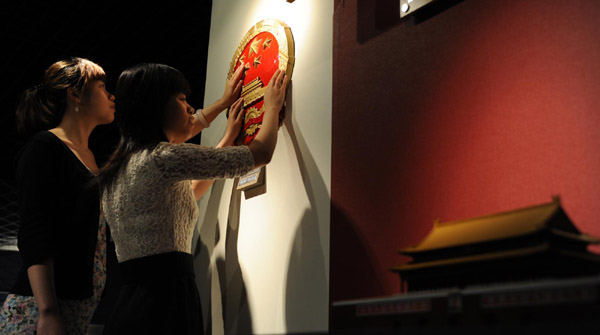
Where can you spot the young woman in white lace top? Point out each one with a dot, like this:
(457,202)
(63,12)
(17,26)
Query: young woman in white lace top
(151,185)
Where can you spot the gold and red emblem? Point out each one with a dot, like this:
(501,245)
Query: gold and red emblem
(266,47)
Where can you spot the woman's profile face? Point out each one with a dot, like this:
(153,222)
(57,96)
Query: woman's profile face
(179,119)
(99,103)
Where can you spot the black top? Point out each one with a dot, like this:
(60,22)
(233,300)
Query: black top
(59,208)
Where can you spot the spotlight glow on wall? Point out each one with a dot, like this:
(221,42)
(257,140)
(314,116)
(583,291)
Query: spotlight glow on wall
(408,7)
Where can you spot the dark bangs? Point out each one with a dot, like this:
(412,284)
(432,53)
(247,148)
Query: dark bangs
(179,84)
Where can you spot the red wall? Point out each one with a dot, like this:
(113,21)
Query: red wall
(485,107)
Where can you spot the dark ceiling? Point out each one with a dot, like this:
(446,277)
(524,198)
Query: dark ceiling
(114,34)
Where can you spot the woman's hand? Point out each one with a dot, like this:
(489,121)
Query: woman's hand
(275,92)
(231,94)
(263,145)
(50,324)
(233,88)
(234,123)
(41,278)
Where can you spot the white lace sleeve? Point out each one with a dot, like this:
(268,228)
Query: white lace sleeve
(188,161)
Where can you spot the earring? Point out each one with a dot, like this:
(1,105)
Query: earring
(76,109)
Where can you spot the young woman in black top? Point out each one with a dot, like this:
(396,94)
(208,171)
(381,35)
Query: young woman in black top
(62,237)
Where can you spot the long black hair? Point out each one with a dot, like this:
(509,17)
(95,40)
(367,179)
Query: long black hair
(43,106)
(141,98)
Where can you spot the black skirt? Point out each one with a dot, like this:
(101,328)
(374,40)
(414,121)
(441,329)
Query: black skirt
(159,296)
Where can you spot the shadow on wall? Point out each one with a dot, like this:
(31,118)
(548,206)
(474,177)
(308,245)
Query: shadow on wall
(223,294)
(306,277)
(353,270)
(206,242)
(375,17)
(236,310)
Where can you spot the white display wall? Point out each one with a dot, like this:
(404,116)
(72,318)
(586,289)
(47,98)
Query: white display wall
(262,263)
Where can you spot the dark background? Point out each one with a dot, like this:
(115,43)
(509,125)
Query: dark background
(114,34)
